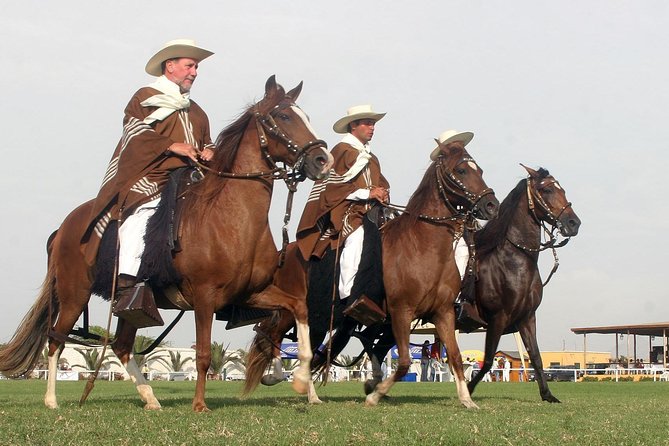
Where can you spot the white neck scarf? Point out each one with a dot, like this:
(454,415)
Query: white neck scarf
(170,101)
(363,157)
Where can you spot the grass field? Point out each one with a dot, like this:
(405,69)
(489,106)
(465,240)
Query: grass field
(606,413)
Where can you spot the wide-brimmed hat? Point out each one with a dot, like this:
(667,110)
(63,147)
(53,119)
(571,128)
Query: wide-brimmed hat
(355,113)
(175,49)
(450,136)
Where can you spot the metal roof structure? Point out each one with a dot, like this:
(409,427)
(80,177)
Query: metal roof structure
(649,329)
(659,329)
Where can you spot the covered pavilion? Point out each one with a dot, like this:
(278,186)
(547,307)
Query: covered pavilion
(652,330)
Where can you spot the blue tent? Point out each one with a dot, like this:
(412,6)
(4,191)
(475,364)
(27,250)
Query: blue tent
(289,350)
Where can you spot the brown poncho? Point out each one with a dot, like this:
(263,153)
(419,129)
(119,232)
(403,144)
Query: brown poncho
(328,217)
(140,166)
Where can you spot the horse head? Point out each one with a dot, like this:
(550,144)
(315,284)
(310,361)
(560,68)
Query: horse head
(461,180)
(292,140)
(549,203)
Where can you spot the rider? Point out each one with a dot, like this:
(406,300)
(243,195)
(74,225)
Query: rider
(333,215)
(163,129)
(467,313)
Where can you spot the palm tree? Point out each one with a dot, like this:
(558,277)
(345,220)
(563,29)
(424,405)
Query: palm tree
(141,344)
(218,355)
(92,356)
(220,358)
(176,363)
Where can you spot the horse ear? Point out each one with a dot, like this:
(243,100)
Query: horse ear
(273,94)
(270,85)
(295,92)
(532,172)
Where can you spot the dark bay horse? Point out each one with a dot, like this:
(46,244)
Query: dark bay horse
(421,278)
(228,254)
(509,288)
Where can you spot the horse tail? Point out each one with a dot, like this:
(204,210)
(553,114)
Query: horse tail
(260,354)
(20,355)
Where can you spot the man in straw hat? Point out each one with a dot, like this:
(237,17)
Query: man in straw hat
(467,314)
(333,215)
(163,129)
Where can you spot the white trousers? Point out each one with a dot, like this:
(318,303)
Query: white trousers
(461,252)
(349,261)
(131,238)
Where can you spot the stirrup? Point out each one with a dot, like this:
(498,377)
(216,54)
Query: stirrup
(365,311)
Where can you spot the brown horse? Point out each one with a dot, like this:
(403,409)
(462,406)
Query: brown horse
(508,287)
(420,276)
(228,254)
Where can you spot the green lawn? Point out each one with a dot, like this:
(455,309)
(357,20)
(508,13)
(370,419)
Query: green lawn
(606,413)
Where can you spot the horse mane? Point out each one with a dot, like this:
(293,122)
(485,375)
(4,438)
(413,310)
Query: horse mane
(494,233)
(398,228)
(227,145)
(228,141)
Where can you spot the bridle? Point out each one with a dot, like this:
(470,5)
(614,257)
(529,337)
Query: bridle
(265,124)
(534,196)
(534,201)
(449,183)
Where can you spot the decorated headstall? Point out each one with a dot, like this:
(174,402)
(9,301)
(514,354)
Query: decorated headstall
(267,123)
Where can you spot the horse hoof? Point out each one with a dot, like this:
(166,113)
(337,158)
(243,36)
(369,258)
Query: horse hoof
(200,408)
(470,404)
(315,401)
(51,404)
(371,400)
(152,406)
(300,387)
(270,380)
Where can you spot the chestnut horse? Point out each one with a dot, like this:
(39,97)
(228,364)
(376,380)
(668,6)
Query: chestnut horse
(228,254)
(420,276)
(508,287)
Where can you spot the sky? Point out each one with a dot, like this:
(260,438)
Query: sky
(579,88)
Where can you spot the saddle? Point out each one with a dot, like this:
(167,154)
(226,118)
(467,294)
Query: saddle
(161,240)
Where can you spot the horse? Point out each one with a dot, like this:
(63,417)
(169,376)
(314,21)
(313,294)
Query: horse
(227,255)
(420,277)
(508,286)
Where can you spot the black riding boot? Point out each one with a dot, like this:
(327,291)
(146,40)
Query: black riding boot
(468,318)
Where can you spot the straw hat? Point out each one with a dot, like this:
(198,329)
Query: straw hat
(450,136)
(175,49)
(355,113)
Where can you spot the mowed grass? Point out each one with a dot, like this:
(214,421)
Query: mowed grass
(591,413)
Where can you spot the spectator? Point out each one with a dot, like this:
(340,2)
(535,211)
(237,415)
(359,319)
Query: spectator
(425,361)
(435,358)
(506,370)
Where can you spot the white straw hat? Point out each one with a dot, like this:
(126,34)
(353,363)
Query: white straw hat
(450,136)
(355,113)
(175,49)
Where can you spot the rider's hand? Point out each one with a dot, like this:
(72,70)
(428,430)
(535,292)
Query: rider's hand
(183,149)
(206,155)
(379,193)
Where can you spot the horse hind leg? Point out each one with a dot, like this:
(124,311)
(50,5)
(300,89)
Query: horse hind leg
(50,399)
(125,338)
(271,297)
(401,329)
